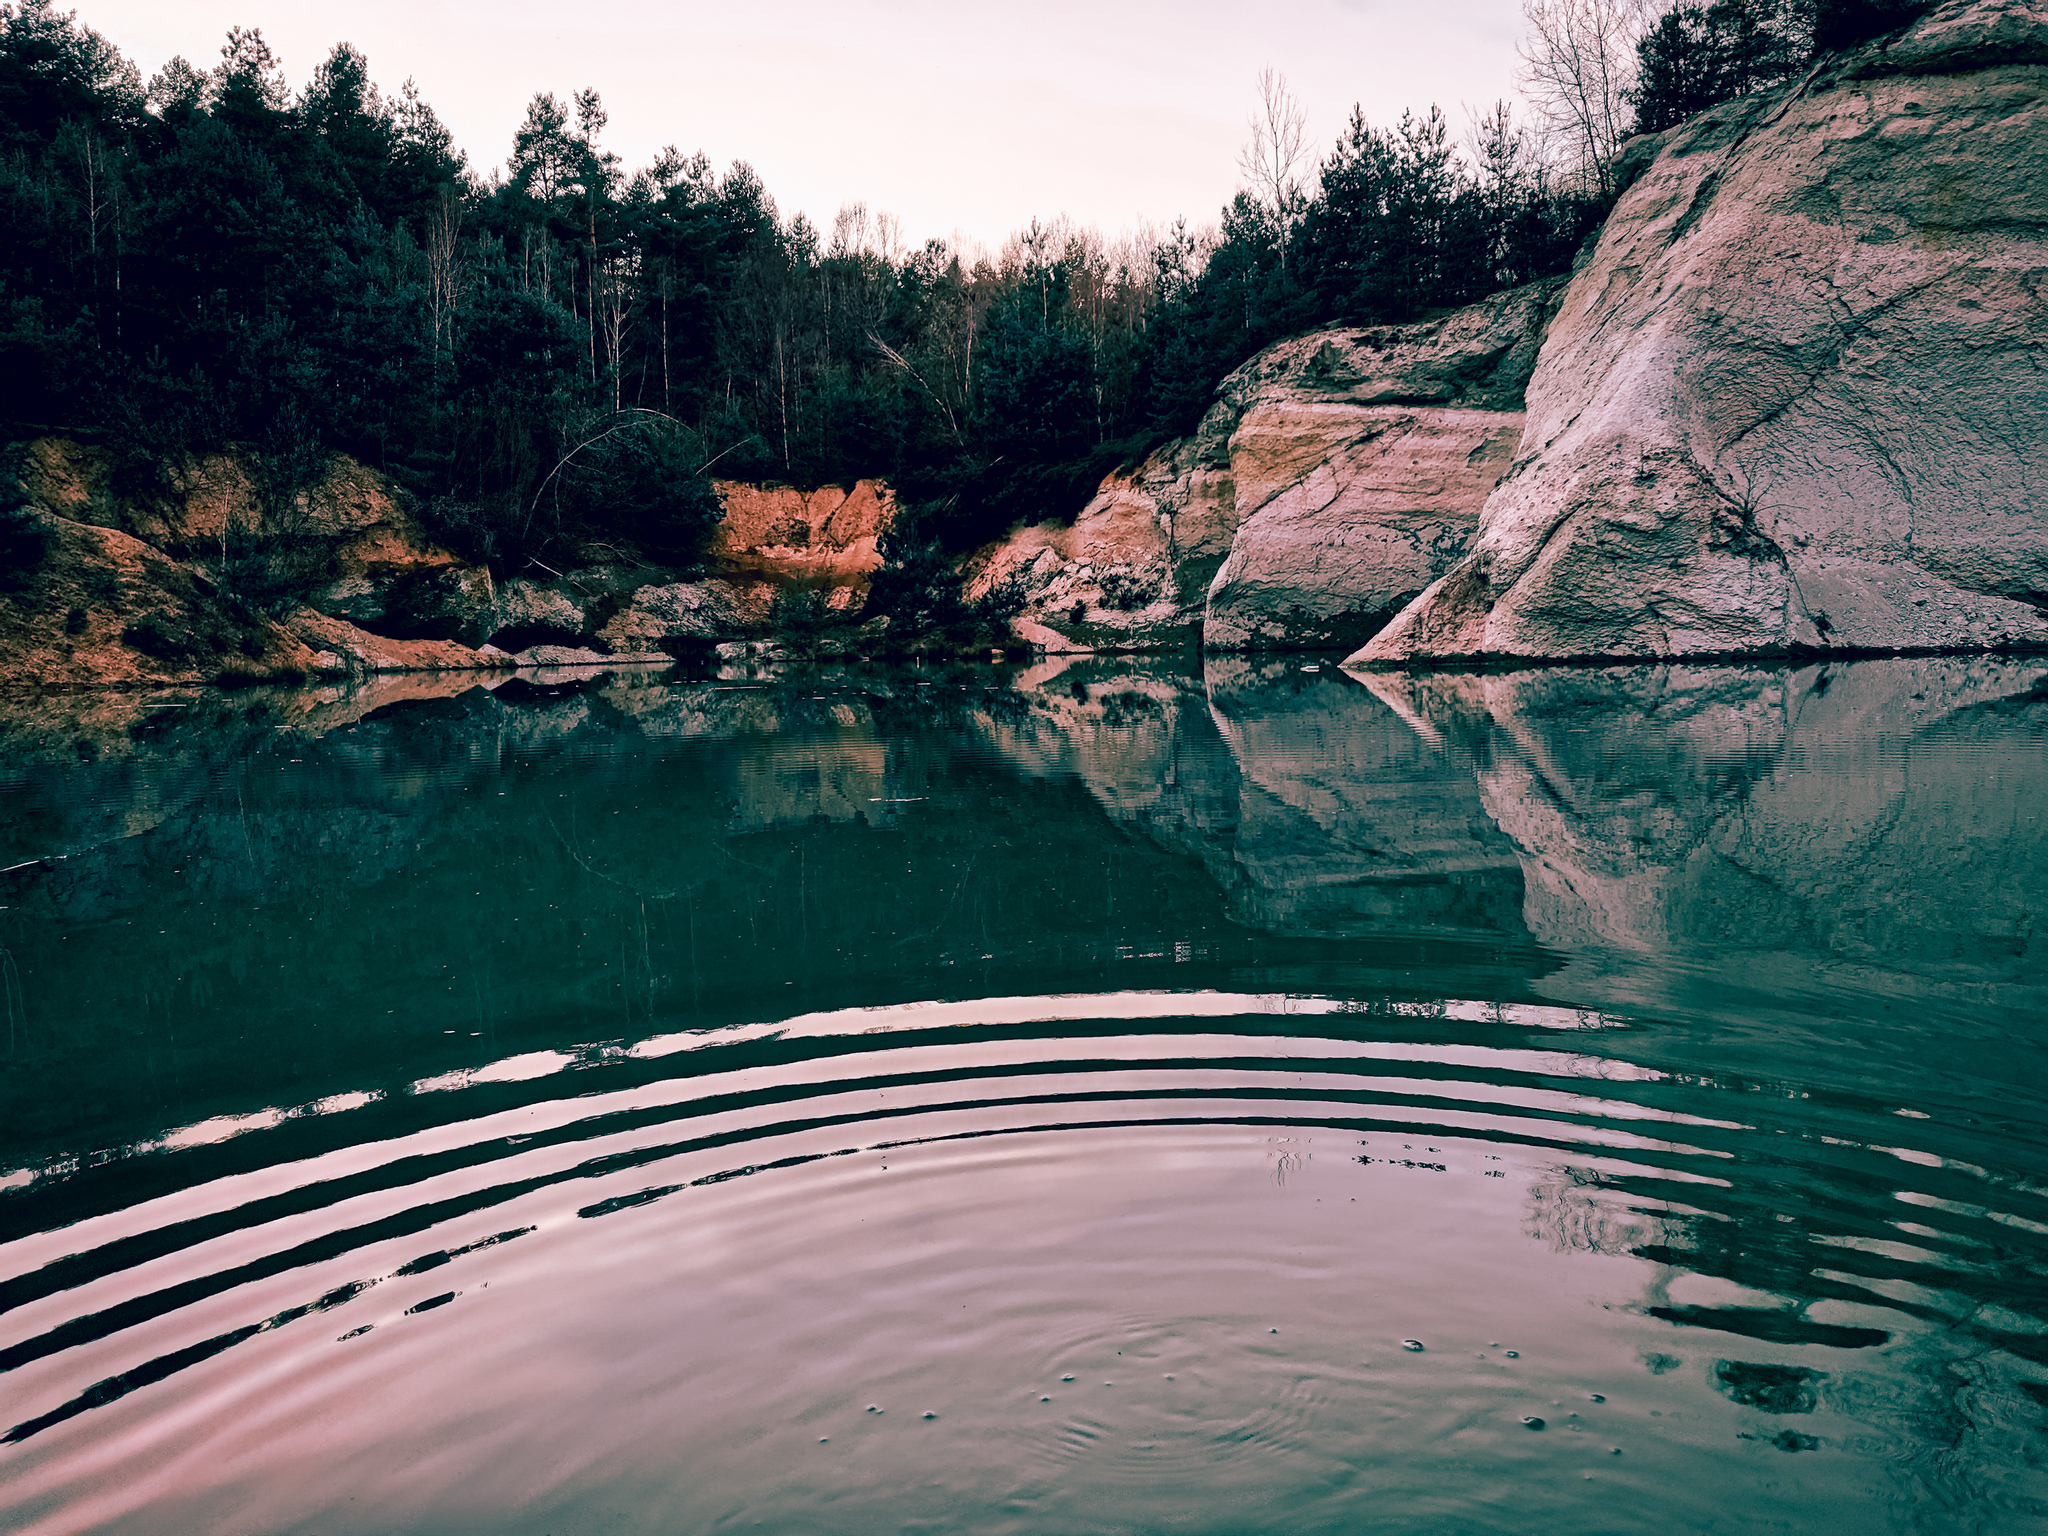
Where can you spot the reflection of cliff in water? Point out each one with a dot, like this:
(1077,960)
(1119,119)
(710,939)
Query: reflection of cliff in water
(1809,890)
(1881,813)
(1878,820)
(1804,870)
(1314,807)
(1732,846)
(1813,892)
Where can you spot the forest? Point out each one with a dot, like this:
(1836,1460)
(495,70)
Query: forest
(205,260)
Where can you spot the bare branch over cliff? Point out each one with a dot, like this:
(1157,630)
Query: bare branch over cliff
(1578,65)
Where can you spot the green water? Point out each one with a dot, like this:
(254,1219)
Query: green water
(1036,1100)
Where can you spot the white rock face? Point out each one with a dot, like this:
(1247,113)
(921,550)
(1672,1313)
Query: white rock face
(1797,398)
(1386,502)
(1360,460)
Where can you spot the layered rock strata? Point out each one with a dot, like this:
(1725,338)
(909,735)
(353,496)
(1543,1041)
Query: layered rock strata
(769,540)
(1794,400)
(828,538)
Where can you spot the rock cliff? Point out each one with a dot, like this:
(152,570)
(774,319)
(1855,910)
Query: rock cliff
(1794,400)
(770,539)
(1132,569)
(1336,476)
(145,590)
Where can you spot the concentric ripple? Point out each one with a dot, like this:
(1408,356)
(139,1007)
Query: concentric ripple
(1077,1263)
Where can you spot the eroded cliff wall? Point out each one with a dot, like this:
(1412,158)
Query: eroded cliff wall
(145,590)
(203,578)
(1336,476)
(1796,399)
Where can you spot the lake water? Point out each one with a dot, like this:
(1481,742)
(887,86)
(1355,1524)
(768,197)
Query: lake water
(1091,1098)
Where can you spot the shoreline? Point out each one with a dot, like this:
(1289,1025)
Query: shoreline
(1485,664)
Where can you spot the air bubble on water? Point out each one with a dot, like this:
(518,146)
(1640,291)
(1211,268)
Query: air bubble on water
(1531,1421)
(1412,1344)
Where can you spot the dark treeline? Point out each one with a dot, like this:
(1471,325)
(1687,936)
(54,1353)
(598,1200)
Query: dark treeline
(1700,54)
(204,260)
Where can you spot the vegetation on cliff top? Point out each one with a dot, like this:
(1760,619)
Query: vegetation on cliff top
(565,348)
(1696,55)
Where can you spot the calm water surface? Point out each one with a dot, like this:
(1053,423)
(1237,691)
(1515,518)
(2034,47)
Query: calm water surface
(1093,1098)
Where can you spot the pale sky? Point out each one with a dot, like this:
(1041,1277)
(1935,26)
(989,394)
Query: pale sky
(963,118)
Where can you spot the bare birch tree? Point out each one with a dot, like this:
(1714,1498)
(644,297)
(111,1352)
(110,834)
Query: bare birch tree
(1578,64)
(1271,160)
(444,231)
(614,284)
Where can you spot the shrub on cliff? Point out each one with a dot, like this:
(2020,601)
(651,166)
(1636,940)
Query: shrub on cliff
(641,477)
(266,572)
(160,637)
(1839,24)
(24,543)
(919,585)
(801,619)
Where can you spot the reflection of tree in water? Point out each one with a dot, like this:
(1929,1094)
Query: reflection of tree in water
(1128,708)
(1570,1210)
(1769,1388)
